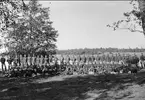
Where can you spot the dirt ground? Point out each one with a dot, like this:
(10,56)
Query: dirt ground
(88,87)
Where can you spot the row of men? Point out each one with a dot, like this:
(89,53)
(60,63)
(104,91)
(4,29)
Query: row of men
(24,61)
(108,57)
(72,69)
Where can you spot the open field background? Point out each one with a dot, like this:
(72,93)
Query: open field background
(107,53)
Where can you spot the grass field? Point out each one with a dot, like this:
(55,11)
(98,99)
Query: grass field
(89,87)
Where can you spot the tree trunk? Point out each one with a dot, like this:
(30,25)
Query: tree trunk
(142,10)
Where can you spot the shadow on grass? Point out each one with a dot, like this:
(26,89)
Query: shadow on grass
(88,87)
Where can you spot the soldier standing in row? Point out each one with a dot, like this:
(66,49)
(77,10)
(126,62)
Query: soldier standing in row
(3,63)
(76,66)
(21,61)
(71,62)
(69,67)
(37,61)
(15,63)
(142,60)
(9,60)
(29,60)
(18,61)
(33,60)
(41,61)
(25,61)
(45,60)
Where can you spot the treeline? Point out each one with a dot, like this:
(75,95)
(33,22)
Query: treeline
(98,50)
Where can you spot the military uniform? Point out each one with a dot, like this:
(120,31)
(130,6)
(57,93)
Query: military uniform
(37,61)
(142,57)
(75,69)
(142,60)
(29,60)
(63,66)
(25,61)
(68,66)
(15,62)
(33,58)
(17,59)
(21,61)
(9,60)
(41,59)
(62,61)
(59,62)
(91,70)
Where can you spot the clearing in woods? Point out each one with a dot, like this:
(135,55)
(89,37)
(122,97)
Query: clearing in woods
(87,87)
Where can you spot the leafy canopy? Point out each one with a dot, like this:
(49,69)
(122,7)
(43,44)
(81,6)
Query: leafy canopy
(27,27)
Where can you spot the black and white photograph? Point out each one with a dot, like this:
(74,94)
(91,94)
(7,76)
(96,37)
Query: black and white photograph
(72,50)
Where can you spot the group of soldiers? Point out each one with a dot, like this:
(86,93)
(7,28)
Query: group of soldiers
(22,61)
(94,64)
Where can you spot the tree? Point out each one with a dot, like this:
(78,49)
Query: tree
(9,9)
(142,13)
(31,30)
(135,19)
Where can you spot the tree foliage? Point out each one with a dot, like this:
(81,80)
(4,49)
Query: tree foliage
(27,27)
(134,19)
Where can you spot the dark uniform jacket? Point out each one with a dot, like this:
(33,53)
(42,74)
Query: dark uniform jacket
(3,60)
(10,60)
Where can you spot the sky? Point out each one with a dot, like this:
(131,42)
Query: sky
(82,24)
